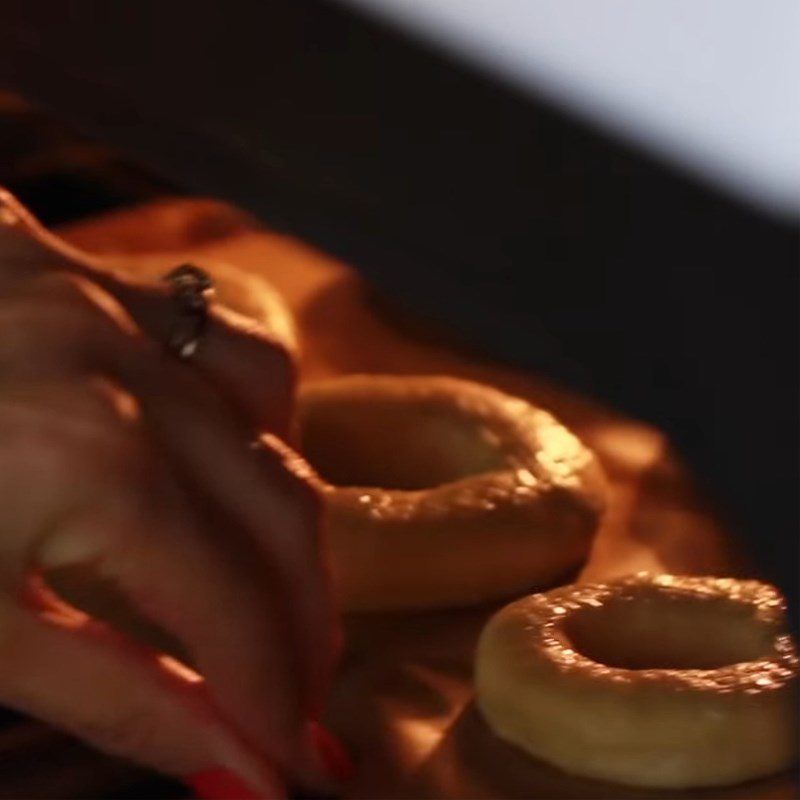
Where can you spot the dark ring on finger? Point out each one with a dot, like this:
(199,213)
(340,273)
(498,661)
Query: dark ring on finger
(191,287)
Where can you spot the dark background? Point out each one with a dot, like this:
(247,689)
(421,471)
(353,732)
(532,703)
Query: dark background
(537,239)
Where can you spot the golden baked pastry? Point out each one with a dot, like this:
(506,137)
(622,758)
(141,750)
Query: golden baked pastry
(443,492)
(663,681)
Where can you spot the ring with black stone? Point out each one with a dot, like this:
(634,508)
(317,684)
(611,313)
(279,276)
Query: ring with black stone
(191,287)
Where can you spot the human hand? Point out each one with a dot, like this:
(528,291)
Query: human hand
(118,459)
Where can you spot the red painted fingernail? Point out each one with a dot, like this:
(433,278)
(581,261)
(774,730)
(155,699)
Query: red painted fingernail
(332,753)
(220,784)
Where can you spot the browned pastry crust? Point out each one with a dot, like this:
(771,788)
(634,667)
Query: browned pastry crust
(443,492)
(663,681)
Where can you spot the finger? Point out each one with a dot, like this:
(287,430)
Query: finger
(301,500)
(214,596)
(271,502)
(80,676)
(270,494)
(249,347)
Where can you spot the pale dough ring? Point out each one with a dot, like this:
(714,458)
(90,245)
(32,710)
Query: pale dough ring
(443,492)
(670,682)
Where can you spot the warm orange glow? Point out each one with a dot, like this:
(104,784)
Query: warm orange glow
(179,669)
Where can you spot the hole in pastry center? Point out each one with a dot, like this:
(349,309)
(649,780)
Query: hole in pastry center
(394,444)
(657,632)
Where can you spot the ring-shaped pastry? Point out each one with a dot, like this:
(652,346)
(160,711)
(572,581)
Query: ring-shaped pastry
(443,492)
(665,681)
